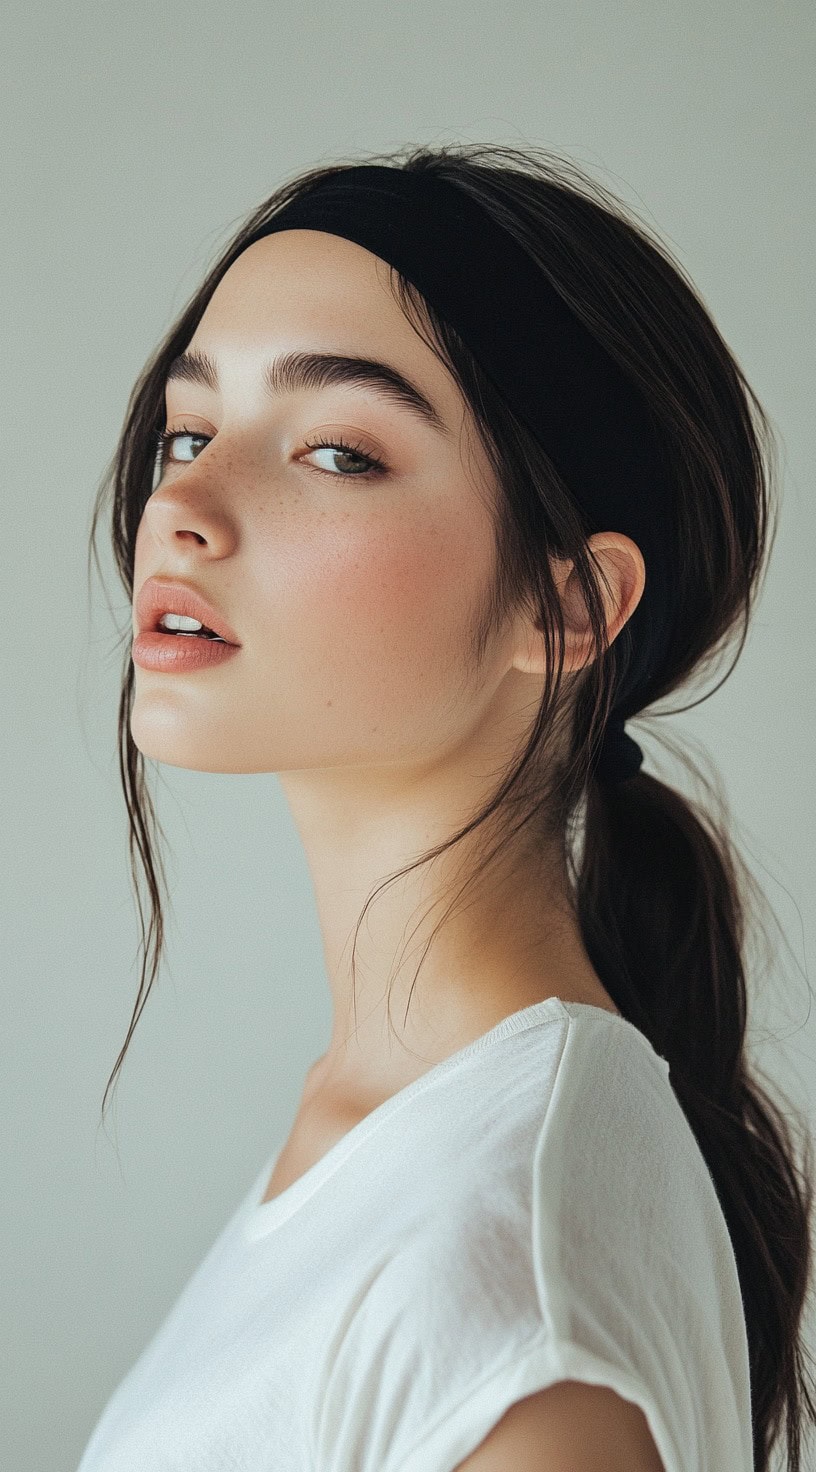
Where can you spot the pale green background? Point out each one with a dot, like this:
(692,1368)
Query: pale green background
(134,139)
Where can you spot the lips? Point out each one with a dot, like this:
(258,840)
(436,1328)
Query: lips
(158,596)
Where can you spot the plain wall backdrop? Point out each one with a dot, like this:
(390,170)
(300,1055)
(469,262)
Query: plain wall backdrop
(134,139)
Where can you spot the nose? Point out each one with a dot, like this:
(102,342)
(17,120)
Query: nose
(189,510)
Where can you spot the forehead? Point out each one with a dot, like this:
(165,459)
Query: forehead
(311,282)
(307,290)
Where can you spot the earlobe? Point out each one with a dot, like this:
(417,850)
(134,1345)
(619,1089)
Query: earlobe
(531,652)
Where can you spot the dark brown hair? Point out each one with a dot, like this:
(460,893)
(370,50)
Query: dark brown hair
(657,885)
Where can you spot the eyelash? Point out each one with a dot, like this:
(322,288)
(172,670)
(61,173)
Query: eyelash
(374,465)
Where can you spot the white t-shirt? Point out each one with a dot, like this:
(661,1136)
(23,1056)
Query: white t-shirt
(534,1208)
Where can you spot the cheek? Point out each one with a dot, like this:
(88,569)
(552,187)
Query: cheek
(376,619)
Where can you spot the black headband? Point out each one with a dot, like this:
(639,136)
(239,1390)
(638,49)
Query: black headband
(553,374)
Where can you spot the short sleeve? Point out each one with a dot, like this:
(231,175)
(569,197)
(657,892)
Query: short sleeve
(635,1271)
(438,1346)
(541,1363)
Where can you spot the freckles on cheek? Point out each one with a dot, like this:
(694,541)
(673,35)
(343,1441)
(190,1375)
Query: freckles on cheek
(393,592)
(369,613)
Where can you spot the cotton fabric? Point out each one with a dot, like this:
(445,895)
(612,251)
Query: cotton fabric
(534,1208)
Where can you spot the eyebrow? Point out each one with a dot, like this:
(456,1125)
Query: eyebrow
(301,370)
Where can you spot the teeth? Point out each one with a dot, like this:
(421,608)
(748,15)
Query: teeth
(179,621)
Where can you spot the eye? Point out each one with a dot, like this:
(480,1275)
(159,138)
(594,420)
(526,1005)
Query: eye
(165,437)
(371,465)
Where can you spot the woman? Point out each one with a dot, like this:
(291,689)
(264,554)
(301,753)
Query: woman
(455,475)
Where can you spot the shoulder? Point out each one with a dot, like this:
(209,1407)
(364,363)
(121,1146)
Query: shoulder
(568,1427)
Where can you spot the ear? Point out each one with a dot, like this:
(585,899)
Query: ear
(621,576)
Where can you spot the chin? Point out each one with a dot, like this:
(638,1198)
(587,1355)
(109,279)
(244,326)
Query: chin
(170,748)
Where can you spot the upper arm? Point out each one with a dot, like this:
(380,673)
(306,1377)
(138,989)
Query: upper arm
(568,1427)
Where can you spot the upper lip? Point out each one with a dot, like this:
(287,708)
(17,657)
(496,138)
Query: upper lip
(158,596)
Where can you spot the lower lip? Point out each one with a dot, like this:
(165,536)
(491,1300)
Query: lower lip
(174,653)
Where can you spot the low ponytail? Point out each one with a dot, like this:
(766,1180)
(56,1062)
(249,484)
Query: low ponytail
(660,900)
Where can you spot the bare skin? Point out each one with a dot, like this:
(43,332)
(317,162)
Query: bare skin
(354,597)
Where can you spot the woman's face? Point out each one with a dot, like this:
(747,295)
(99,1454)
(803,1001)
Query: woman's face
(353,595)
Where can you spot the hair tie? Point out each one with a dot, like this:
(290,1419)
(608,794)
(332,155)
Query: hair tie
(620,756)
